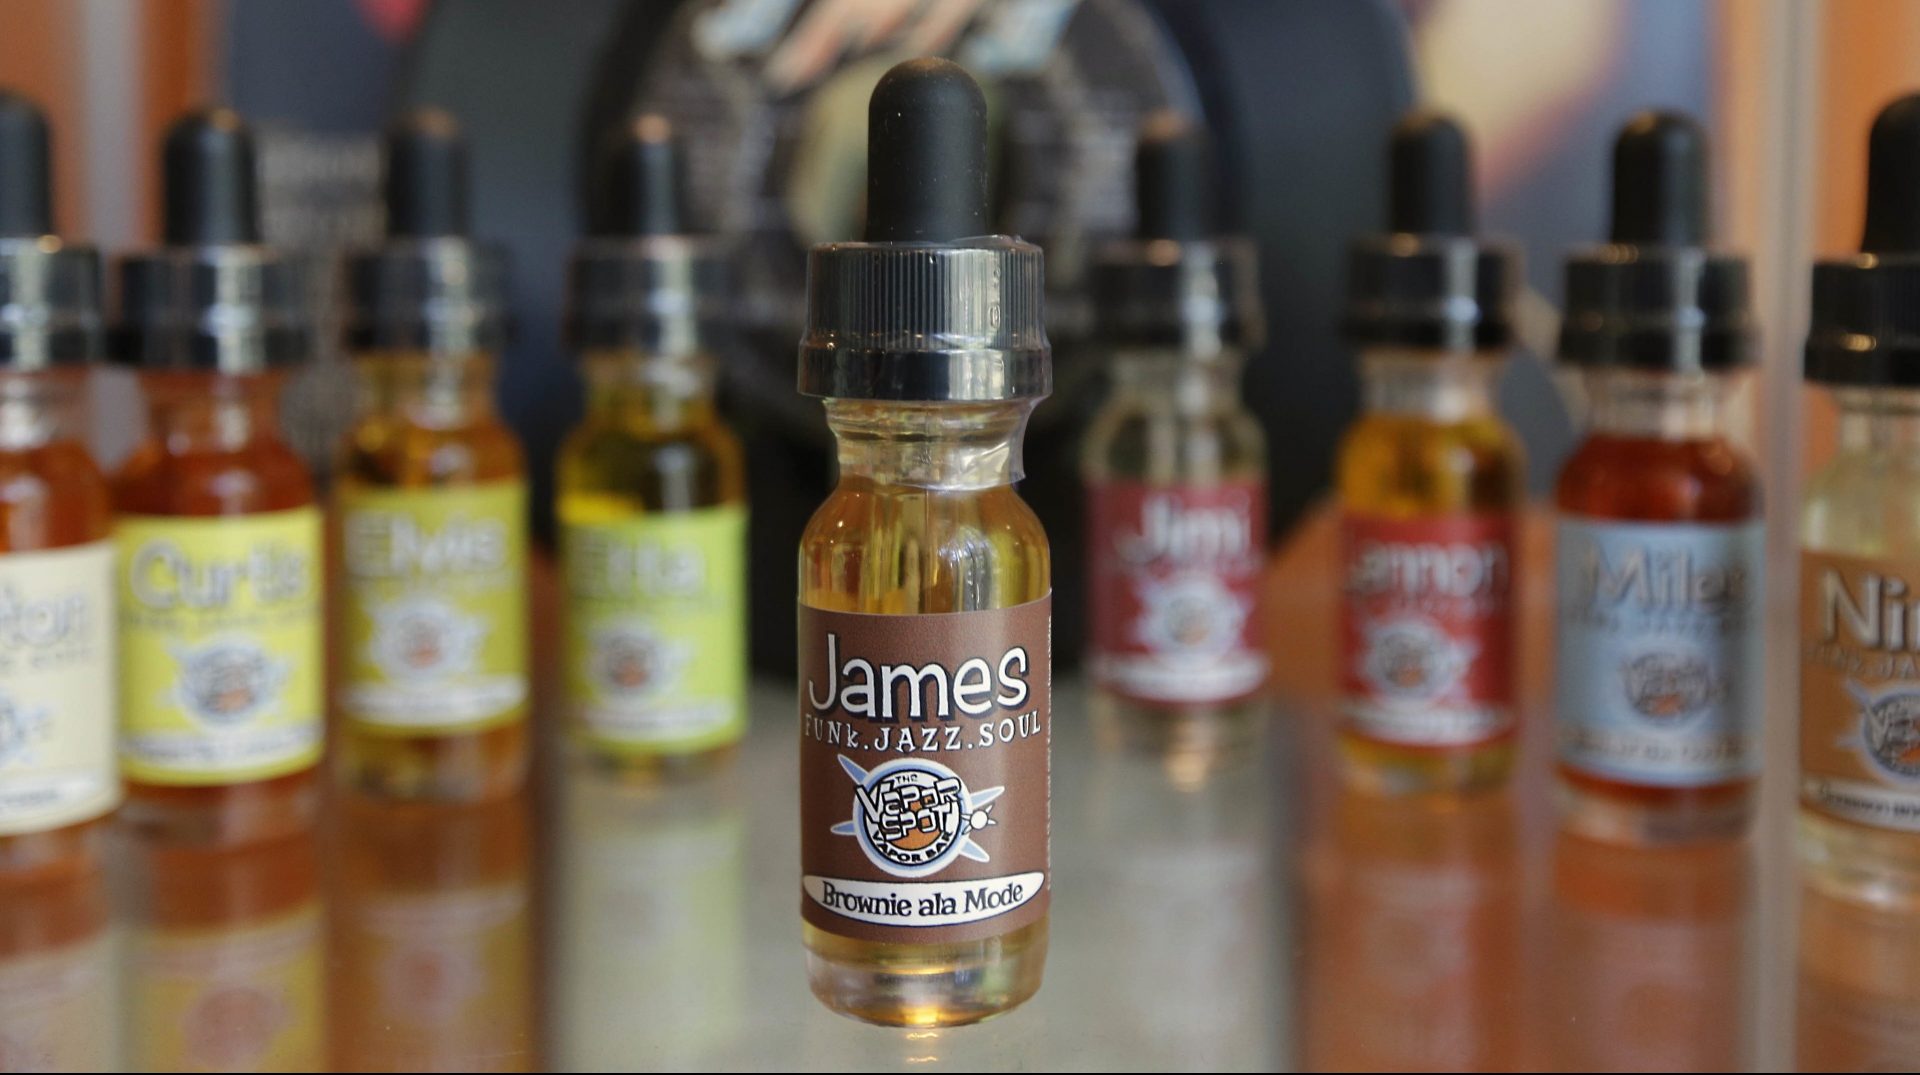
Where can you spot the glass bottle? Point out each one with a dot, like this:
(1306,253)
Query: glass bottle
(218,538)
(430,501)
(57,680)
(1860,549)
(1660,542)
(651,484)
(1175,472)
(925,663)
(1430,483)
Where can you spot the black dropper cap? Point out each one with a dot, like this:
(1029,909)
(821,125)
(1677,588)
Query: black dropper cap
(1430,282)
(429,287)
(26,201)
(213,298)
(49,290)
(640,279)
(1176,284)
(1655,297)
(1172,179)
(930,307)
(1430,177)
(926,155)
(1865,326)
(638,184)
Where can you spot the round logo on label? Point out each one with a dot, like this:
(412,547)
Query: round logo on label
(227,683)
(914,817)
(422,637)
(1413,658)
(21,728)
(1193,614)
(631,660)
(1668,687)
(1891,728)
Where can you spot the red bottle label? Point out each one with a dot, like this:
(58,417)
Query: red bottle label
(1426,634)
(1174,582)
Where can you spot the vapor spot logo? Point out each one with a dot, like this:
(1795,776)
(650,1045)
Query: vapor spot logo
(1667,688)
(631,660)
(227,683)
(21,728)
(1193,614)
(1413,659)
(421,638)
(1890,730)
(913,817)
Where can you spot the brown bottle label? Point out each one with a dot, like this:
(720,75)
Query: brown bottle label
(925,773)
(1860,689)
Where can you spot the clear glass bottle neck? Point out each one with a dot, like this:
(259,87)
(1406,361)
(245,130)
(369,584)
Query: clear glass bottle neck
(213,411)
(1656,405)
(37,409)
(1168,378)
(435,391)
(943,446)
(1879,419)
(1441,386)
(663,392)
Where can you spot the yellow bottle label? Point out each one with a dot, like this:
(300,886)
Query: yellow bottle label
(434,608)
(56,687)
(220,659)
(656,629)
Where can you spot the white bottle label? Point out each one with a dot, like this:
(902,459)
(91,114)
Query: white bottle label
(56,687)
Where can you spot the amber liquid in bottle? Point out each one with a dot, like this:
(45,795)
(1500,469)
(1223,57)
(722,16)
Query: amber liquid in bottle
(428,423)
(52,495)
(652,442)
(1177,422)
(1429,443)
(213,448)
(925,519)
(1658,454)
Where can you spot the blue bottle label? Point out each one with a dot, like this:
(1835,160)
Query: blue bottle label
(1660,649)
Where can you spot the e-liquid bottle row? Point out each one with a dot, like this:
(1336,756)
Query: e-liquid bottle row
(190,591)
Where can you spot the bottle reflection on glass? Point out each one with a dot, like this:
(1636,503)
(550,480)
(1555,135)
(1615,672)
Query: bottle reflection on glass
(1649,956)
(651,922)
(1859,985)
(226,970)
(58,995)
(1412,946)
(1181,873)
(432,937)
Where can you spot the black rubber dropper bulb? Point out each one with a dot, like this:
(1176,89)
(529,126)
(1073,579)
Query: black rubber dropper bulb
(1431,165)
(26,205)
(207,168)
(926,155)
(1660,181)
(426,177)
(1893,180)
(1172,177)
(640,188)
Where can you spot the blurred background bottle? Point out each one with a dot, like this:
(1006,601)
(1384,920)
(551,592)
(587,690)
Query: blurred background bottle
(429,499)
(1175,468)
(1431,481)
(218,536)
(652,488)
(58,680)
(1660,540)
